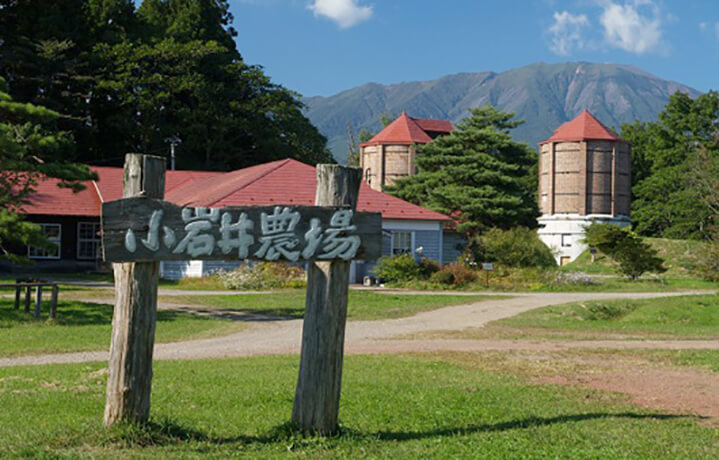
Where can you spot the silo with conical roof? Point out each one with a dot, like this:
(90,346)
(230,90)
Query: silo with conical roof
(584,177)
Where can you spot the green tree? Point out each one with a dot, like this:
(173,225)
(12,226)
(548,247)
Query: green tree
(516,247)
(668,197)
(31,147)
(128,78)
(634,256)
(477,174)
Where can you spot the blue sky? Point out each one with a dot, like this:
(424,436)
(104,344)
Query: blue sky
(321,47)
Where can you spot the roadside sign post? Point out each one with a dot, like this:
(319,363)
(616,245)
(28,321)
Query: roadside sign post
(141,230)
(487,267)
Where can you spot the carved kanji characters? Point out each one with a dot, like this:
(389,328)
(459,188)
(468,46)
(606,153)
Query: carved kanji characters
(313,238)
(337,242)
(198,220)
(242,229)
(278,237)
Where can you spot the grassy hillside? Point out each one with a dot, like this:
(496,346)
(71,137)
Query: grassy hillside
(678,258)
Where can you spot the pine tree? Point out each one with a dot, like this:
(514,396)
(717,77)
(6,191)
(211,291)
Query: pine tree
(30,147)
(477,174)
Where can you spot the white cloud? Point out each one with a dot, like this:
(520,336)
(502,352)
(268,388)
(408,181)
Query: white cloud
(567,32)
(632,26)
(346,13)
(703,26)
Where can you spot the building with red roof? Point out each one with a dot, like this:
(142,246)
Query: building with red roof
(584,177)
(71,220)
(390,155)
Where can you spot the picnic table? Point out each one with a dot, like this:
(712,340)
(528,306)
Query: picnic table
(26,285)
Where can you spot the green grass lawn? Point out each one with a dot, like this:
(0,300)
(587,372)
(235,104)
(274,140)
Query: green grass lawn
(87,326)
(361,304)
(684,317)
(392,407)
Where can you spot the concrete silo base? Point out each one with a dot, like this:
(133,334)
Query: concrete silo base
(564,233)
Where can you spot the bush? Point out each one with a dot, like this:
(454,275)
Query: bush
(633,255)
(455,274)
(706,262)
(401,267)
(263,275)
(428,267)
(518,247)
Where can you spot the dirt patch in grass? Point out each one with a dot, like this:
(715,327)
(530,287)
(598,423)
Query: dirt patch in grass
(641,380)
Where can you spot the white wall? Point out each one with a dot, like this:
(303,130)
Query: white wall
(570,228)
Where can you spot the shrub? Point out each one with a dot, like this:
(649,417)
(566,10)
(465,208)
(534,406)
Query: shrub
(518,247)
(455,274)
(443,277)
(633,255)
(263,275)
(428,267)
(400,267)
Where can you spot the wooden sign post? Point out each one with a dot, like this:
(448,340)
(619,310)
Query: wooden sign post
(140,230)
(317,399)
(129,378)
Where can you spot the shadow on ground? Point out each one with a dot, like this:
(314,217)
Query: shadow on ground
(167,431)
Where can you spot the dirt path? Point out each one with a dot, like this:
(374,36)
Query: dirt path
(283,336)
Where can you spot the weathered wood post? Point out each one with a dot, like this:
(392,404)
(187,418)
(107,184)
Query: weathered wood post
(129,380)
(53,301)
(316,404)
(18,291)
(38,300)
(28,290)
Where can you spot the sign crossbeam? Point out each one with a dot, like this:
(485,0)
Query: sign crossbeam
(142,229)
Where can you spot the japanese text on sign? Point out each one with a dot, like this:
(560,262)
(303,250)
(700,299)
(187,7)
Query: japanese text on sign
(266,233)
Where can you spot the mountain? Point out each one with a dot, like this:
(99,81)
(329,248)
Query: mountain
(543,95)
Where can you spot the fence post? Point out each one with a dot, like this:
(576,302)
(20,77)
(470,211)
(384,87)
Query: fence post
(18,291)
(53,301)
(28,290)
(316,404)
(38,301)
(129,380)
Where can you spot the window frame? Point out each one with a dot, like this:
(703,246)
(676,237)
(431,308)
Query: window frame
(57,241)
(410,242)
(96,240)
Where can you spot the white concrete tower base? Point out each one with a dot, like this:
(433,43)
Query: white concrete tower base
(563,233)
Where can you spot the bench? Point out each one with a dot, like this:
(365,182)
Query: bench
(27,286)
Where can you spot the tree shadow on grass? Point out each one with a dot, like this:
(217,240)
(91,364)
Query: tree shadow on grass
(529,422)
(167,431)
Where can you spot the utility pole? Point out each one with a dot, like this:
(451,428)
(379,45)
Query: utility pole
(173,140)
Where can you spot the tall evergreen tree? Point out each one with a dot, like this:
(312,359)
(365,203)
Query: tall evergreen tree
(668,196)
(477,174)
(30,147)
(128,78)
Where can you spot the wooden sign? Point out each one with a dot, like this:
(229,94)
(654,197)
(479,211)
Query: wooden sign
(142,229)
(487,267)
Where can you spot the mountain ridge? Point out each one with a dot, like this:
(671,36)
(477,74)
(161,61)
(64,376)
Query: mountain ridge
(543,95)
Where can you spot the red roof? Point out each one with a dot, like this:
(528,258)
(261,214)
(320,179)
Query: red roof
(406,130)
(584,127)
(285,182)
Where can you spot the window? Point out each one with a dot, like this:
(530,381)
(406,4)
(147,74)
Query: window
(401,243)
(88,240)
(53,233)
(566,240)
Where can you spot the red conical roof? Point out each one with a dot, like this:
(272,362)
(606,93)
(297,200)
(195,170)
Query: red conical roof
(584,127)
(406,130)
